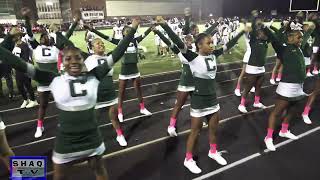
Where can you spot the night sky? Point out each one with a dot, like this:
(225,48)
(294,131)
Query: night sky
(243,7)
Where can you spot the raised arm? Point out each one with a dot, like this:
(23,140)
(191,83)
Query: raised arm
(117,53)
(173,36)
(276,43)
(307,35)
(186,28)
(108,38)
(74,24)
(26,14)
(8,41)
(173,47)
(62,42)
(145,34)
(17,63)
(276,30)
(229,45)
(212,27)
(67,42)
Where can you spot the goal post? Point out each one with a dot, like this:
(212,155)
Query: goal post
(304,6)
(313,5)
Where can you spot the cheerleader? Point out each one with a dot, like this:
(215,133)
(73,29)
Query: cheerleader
(245,60)
(75,92)
(255,69)
(45,55)
(204,101)
(107,96)
(290,89)
(281,35)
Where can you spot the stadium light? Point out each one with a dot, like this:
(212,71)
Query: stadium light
(210,15)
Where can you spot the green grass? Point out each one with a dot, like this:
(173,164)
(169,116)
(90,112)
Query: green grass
(157,64)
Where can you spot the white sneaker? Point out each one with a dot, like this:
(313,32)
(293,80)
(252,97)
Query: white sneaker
(145,112)
(253,89)
(259,105)
(288,135)
(204,124)
(269,144)
(24,104)
(192,166)
(120,117)
(278,79)
(242,109)
(32,104)
(237,92)
(217,157)
(306,119)
(172,131)
(272,81)
(315,72)
(39,132)
(309,74)
(122,141)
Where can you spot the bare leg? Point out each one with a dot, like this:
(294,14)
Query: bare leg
(280,106)
(44,100)
(196,126)
(137,86)
(213,126)
(241,76)
(61,171)
(122,88)
(97,166)
(113,117)
(5,150)
(181,100)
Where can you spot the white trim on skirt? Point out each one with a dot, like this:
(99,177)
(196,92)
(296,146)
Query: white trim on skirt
(43,88)
(255,69)
(307,61)
(58,158)
(205,111)
(100,105)
(185,88)
(290,90)
(130,76)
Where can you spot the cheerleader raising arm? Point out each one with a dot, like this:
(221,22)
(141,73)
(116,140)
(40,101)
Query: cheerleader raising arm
(108,38)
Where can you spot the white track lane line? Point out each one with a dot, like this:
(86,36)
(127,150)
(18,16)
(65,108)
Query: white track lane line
(167,137)
(146,97)
(253,156)
(144,85)
(137,117)
(169,72)
(173,80)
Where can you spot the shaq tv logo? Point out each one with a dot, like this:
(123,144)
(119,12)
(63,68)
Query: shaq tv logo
(28,167)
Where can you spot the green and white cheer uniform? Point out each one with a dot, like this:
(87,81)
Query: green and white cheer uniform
(106,90)
(294,69)
(78,134)
(258,53)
